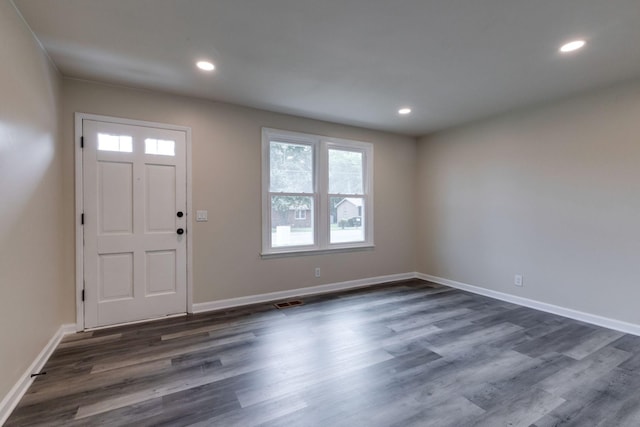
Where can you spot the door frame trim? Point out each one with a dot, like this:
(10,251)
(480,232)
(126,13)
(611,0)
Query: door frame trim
(79,204)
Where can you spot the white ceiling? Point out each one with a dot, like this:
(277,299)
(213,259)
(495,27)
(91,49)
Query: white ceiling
(348,61)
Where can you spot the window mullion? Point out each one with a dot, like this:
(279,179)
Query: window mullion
(323,198)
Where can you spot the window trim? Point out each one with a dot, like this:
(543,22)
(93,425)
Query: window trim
(321,146)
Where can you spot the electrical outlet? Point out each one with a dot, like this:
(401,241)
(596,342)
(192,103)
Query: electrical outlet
(317,272)
(517,280)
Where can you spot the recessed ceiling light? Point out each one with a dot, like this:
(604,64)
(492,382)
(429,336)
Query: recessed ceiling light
(205,65)
(405,110)
(571,46)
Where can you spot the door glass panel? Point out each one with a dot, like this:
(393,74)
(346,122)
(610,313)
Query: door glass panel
(162,147)
(121,143)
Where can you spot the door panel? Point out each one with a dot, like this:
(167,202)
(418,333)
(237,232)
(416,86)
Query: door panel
(161,273)
(115,278)
(115,198)
(134,184)
(160,191)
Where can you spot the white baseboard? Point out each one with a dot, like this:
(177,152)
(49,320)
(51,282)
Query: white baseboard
(313,290)
(618,325)
(12,399)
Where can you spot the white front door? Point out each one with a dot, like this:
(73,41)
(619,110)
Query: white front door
(134,190)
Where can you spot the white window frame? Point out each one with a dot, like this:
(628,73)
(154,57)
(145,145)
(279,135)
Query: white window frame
(320,212)
(300,214)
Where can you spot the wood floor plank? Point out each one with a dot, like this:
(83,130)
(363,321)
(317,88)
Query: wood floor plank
(87,341)
(492,394)
(153,354)
(582,374)
(592,343)
(451,412)
(521,410)
(593,405)
(404,354)
(83,383)
(562,339)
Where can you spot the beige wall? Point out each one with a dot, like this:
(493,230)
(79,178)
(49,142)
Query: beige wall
(551,192)
(32,267)
(226,182)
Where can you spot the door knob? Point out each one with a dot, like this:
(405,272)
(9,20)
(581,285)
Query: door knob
(180,231)
(180,214)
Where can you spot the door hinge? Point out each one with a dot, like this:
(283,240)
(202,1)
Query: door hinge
(82,142)
(83,295)
(82,219)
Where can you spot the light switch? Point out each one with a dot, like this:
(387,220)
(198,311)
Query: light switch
(202,216)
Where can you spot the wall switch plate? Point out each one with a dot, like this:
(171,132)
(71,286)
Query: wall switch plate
(317,272)
(202,216)
(517,280)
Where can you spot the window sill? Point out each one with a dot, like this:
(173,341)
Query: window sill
(297,253)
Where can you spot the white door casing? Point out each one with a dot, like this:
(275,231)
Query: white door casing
(134,260)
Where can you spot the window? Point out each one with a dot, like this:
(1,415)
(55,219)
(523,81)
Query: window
(121,143)
(317,193)
(162,147)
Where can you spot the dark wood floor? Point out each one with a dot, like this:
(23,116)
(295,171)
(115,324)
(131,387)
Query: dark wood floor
(411,354)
